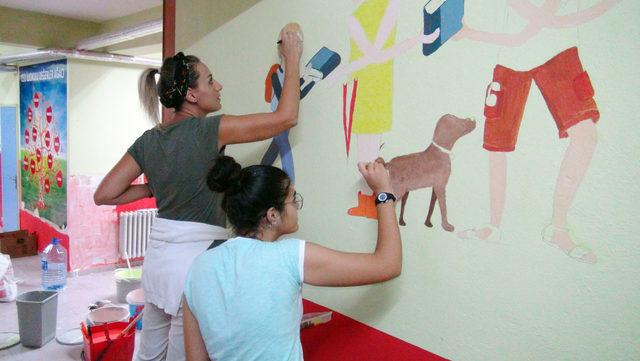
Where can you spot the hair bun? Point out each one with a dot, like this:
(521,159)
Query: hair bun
(225,176)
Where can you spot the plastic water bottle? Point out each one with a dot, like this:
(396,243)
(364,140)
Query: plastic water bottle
(53,266)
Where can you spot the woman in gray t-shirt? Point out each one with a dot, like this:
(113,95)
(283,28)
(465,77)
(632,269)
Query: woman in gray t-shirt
(175,157)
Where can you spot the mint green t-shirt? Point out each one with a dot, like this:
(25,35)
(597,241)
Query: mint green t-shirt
(247,297)
(176,161)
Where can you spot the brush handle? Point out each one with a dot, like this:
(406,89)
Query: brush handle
(133,322)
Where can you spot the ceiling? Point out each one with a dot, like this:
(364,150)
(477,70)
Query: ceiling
(88,10)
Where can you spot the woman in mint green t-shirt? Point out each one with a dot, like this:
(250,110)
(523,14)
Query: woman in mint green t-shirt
(243,298)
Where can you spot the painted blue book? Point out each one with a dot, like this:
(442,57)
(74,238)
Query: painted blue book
(325,61)
(446,15)
(321,64)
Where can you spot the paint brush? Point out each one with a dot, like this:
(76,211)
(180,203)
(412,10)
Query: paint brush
(126,257)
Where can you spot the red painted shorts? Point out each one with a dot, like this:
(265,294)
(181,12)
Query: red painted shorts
(566,89)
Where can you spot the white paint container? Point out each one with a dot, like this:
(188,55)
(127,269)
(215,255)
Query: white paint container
(127,280)
(107,314)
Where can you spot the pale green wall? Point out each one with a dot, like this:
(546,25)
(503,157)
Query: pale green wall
(9,85)
(197,18)
(464,300)
(105,116)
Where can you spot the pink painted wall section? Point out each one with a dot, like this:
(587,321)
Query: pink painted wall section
(1,214)
(93,230)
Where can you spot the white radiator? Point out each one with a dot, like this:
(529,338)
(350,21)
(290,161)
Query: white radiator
(134,232)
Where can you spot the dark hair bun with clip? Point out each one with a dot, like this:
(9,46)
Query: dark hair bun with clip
(225,176)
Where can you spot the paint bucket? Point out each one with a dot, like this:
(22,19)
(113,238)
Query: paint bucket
(104,343)
(135,299)
(107,314)
(127,280)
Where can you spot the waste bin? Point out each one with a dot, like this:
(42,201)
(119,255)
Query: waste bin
(37,316)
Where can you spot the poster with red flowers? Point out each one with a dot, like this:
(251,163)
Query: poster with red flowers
(43,143)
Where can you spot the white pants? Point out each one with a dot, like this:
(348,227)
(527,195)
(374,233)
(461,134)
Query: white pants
(162,336)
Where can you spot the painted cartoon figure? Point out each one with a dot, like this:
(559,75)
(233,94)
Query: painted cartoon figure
(568,92)
(368,112)
(320,65)
(430,168)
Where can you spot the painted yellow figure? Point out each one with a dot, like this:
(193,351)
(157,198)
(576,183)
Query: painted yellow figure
(374,97)
(372,93)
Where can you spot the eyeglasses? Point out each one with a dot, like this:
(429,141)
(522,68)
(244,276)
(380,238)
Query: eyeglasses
(298,201)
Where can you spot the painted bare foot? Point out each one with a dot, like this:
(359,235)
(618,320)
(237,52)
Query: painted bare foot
(561,238)
(401,222)
(428,223)
(447,226)
(484,233)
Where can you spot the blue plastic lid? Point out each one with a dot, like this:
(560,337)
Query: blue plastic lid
(55,241)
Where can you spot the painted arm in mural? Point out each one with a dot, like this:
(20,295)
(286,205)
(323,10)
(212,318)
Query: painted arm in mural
(194,347)
(389,20)
(539,18)
(583,16)
(327,267)
(116,187)
(374,53)
(236,129)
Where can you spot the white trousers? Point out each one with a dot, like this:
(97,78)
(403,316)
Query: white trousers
(162,336)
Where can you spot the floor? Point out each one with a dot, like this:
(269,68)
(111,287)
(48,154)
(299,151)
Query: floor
(73,304)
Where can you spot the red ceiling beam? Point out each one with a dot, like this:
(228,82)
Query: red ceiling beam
(168,40)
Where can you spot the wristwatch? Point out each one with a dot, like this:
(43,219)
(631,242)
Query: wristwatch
(383,197)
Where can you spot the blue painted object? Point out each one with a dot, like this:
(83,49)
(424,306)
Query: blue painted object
(9,171)
(448,17)
(324,61)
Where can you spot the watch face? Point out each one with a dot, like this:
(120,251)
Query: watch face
(382,197)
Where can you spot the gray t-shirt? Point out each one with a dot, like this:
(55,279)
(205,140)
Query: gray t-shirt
(176,160)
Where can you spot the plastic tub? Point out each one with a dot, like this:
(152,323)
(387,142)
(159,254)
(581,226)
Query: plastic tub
(135,299)
(127,280)
(37,317)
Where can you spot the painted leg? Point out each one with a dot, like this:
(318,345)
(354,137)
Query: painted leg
(497,194)
(368,151)
(368,147)
(442,202)
(402,204)
(432,205)
(286,155)
(577,158)
(498,187)
(271,154)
